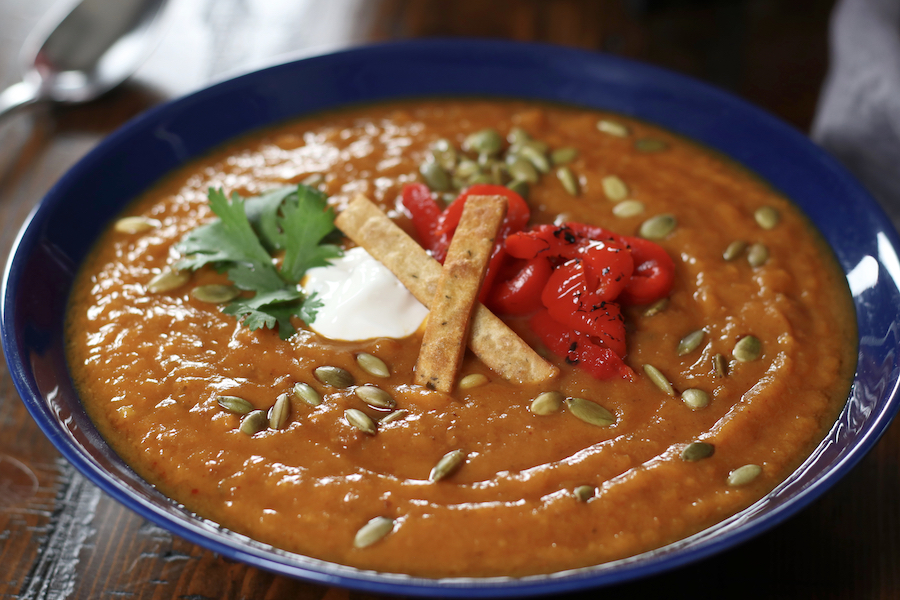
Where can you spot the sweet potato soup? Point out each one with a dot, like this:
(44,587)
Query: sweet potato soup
(710,389)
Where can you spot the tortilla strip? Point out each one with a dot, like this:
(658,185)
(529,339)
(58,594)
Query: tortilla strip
(490,339)
(444,342)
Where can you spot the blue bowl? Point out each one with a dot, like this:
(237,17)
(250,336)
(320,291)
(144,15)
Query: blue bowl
(63,227)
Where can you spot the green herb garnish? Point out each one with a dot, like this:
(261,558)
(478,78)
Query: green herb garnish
(241,241)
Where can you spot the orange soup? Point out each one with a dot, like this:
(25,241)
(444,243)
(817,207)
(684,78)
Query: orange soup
(727,382)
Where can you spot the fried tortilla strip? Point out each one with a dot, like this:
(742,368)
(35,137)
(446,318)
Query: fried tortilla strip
(444,342)
(490,339)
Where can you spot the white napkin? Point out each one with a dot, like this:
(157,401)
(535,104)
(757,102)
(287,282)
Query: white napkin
(858,116)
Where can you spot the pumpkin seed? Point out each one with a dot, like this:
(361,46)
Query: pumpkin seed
(449,463)
(486,141)
(613,128)
(563,156)
(313,180)
(659,380)
(444,153)
(168,280)
(499,174)
(334,376)
(467,168)
(744,475)
(280,411)
(694,398)
(658,227)
(614,188)
(235,404)
(720,365)
(523,170)
(307,393)
(628,208)
(138,224)
(397,415)
(372,365)
(518,136)
(360,420)
(373,531)
(568,180)
(767,217)
(533,153)
(473,380)
(757,255)
(734,249)
(650,145)
(697,451)
(375,396)
(547,403)
(590,412)
(215,293)
(435,176)
(254,422)
(481,178)
(519,187)
(747,349)
(485,161)
(583,493)
(690,342)
(535,145)
(657,307)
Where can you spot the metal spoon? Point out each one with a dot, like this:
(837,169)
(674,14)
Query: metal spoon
(78,56)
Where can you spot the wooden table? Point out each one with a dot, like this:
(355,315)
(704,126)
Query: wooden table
(63,538)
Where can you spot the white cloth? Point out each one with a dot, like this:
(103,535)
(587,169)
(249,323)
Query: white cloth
(858,116)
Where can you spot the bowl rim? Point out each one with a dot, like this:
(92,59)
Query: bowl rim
(328,573)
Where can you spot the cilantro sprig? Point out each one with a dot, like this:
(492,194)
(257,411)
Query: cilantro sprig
(242,240)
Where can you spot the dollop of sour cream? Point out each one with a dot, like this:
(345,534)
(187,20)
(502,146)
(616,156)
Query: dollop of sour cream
(361,299)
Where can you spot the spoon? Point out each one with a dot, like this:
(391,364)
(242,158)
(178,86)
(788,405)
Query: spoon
(85,53)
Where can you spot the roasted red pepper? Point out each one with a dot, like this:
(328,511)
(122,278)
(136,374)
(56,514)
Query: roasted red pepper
(593,271)
(424,210)
(519,293)
(640,276)
(654,273)
(572,302)
(579,349)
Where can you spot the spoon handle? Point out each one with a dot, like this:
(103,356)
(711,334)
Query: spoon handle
(16,96)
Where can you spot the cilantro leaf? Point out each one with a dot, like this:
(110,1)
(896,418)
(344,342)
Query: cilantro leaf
(262,212)
(231,238)
(275,308)
(268,309)
(308,223)
(294,220)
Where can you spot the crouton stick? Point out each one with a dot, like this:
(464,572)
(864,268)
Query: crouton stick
(446,332)
(490,339)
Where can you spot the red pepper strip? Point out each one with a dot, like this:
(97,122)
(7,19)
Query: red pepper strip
(517,215)
(425,212)
(566,240)
(579,349)
(520,294)
(651,273)
(608,266)
(570,303)
(593,232)
(549,240)
(654,273)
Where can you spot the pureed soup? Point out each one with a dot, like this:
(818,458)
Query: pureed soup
(728,381)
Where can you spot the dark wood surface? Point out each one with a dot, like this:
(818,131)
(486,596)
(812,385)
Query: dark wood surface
(60,537)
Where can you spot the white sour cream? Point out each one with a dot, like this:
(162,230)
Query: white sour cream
(361,299)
